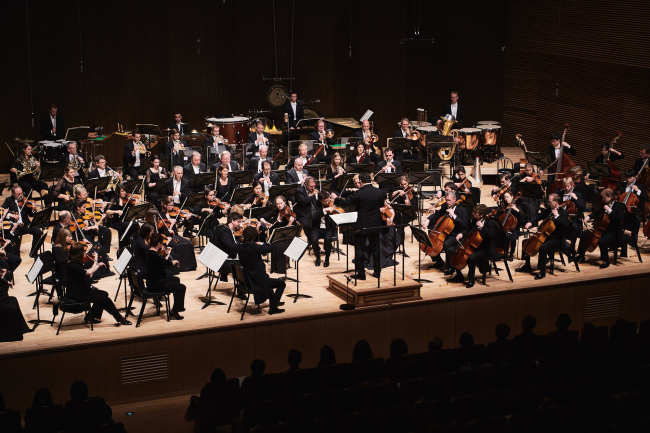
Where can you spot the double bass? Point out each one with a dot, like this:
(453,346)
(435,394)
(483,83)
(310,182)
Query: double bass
(564,165)
(614,177)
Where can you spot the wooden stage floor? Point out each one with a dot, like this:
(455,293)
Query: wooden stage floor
(314,282)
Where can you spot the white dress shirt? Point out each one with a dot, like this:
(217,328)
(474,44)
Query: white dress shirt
(53,120)
(196,168)
(101,172)
(177,189)
(454,109)
(294,106)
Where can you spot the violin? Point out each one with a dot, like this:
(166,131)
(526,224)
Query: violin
(260,200)
(215,203)
(247,222)
(329,202)
(177,212)
(387,213)
(532,245)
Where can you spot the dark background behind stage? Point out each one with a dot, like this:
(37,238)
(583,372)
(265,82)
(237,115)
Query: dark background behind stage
(583,62)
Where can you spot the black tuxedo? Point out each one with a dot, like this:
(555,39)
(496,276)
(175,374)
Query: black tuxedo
(234,166)
(292,176)
(305,207)
(185,188)
(398,133)
(381,164)
(210,142)
(26,215)
(184,128)
(300,112)
(273,177)
(175,159)
(253,148)
(250,257)
(460,113)
(253,164)
(188,173)
(46,128)
(493,238)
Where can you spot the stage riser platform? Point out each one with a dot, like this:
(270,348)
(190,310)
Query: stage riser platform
(192,356)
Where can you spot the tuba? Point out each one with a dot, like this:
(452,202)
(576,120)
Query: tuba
(446,152)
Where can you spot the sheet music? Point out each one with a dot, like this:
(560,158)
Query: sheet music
(212,257)
(122,261)
(35,270)
(366,115)
(344,218)
(296,249)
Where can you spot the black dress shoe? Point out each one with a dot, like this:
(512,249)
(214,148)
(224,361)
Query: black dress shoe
(241,296)
(540,275)
(469,284)
(92,320)
(457,279)
(580,258)
(438,264)
(449,271)
(276,310)
(524,268)
(326,263)
(175,316)
(124,322)
(359,276)
(317,262)
(281,303)
(604,265)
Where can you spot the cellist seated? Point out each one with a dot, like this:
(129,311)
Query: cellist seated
(460,219)
(607,229)
(555,239)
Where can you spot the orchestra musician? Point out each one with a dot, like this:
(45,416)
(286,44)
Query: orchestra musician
(613,235)
(461,217)
(528,186)
(155,180)
(250,256)
(644,153)
(309,215)
(257,138)
(168,225)
(225,239)
(505,183)
(27,170)
(492,235)
(103,170)
(335,167)
(215,143)
(13,324)
(404,129)
(90,230)
(52,127)
(64,221)
(453,108)
(194,167)
(508,204)
(79,286)
(362,155)
(266,178)
(389,164)
(575,211)
(367,200)
(21,211)
(320,138)
(175,148)
(283,216)
(159,274)
(365,134)
(177,186)
(257,198)
(632,220)
(227,161)
(294,108)
(255,163)
(140,245)
(116,208)
(303,155)
(605,150)
(224,187)
(76,161)
(183,128)
(553,152)
(134,154)
(556,241)
(64,189)
(463,185)
(296,174)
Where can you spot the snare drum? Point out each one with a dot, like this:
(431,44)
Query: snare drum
(233,129)
(489,134)
(469,138)
(52,151)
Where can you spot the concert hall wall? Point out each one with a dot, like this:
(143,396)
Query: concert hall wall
(583,62)
(143,60)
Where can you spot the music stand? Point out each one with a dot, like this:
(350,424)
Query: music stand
(344,219)
(282,175)
(409,165)
(101,183)
(241,177)
(422,237)
(120,267)
(324,185)
(387,179)
(295,251)
(199,181)
(287,190)
(41,219)
(360,168)
(51,171)
(240,194)
(148,129)
(342,181)
(260,212)
(315,170)
(138,211)
(284,234)
(130,186)
(35,276)
(213,258)
(77,133)
(400,145)
(434,179)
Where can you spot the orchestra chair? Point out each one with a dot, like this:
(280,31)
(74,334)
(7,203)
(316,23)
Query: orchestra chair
(70,306)
(571,255)
(244,284)
(616,252)
(53,280)
(498,257)
(139,288)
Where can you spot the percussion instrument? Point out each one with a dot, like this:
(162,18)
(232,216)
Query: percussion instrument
(487,122)
(427,129)
(420,124)
(52,151)
(469,138)
(490,134)
(234,129)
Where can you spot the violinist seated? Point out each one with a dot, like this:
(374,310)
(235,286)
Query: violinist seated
(175,148)
(207,207)
(9,253)
(257,198)
(464,187)
(257,138)
(117,208)
(224,188)
(266,178)
(166,223)
(303,155)
(86,227)
(76,159)
(256,163)
(20,210)
(553,153)
(194,167)
(64,221)
(156,177)
(224,238)
(634,213)
(613,236)
(250,256)
(320,137)
(159,274)
(507,210)
(362,155)
(140,245)
(556,241)
(575,206)
(461,218)
(177,186)
(78,280)
(134,155)
(505,184)
(404,195)
(60,251)
(296,174)
(282,216)
(492,235)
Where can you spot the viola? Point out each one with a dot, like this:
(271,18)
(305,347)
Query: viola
(178,212)
(80,223)
(532,245)
(247,222)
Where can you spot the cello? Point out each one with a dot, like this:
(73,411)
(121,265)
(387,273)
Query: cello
(532,245)
(564,165)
